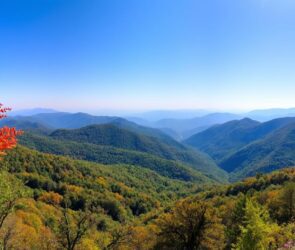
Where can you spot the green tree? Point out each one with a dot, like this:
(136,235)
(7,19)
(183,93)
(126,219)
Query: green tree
(287,202)
(11,190)
(256,234)
(233,229)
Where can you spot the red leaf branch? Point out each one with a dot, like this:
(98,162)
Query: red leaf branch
(8,136)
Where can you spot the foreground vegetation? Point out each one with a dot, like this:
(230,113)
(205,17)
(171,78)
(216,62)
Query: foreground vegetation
(53,202)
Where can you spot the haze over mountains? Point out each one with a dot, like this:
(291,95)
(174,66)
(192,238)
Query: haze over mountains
(215,146)
(179,124)
(34,111)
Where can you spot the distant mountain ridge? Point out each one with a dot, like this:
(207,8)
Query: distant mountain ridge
(30,112)
(228,143)
(53,121)
(26,125)
(270,114)
(220,140)
(275,151)
(179,124)
(117,133)
(68,120)
(186,127)
(245,147)
(182,126)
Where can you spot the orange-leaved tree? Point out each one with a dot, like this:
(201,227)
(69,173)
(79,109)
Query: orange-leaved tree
(8,135)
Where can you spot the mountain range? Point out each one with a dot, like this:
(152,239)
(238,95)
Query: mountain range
(183,124)
(115,140)
(179,124)
(223,145)
(245,147)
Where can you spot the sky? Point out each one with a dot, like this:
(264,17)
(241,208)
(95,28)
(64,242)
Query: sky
(147,54)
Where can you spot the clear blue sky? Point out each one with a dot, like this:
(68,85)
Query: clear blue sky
(147,54)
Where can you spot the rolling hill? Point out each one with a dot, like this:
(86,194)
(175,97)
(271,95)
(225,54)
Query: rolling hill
(61,120)
(220,141)
(246,147)
(110,155)
(121,191)
(108,143)
(115,134)
(275,151)
(111,135)
(26,125)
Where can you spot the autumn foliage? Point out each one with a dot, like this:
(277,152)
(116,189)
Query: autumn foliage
(8,135)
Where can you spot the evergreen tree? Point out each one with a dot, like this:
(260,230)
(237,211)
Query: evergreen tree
(233,229)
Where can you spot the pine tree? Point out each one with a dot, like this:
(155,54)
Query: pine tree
(233,229)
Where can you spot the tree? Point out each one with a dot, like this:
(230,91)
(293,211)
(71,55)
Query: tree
(131,237)
(287,201)
(190,226)
(282,204)
(7,135)
(235,221)
(74,226)
(51,198)
(119,236)
(11,190)
(258,230)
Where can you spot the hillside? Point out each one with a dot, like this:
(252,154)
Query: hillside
(118,135)
(61,120)
(128,207)
(220,141)
(256,213)
(111,135)
(111,155)
(26,125)
(123,191)
(273,152)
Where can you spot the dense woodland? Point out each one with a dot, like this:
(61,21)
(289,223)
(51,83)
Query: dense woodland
(80,189)
(52,202)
